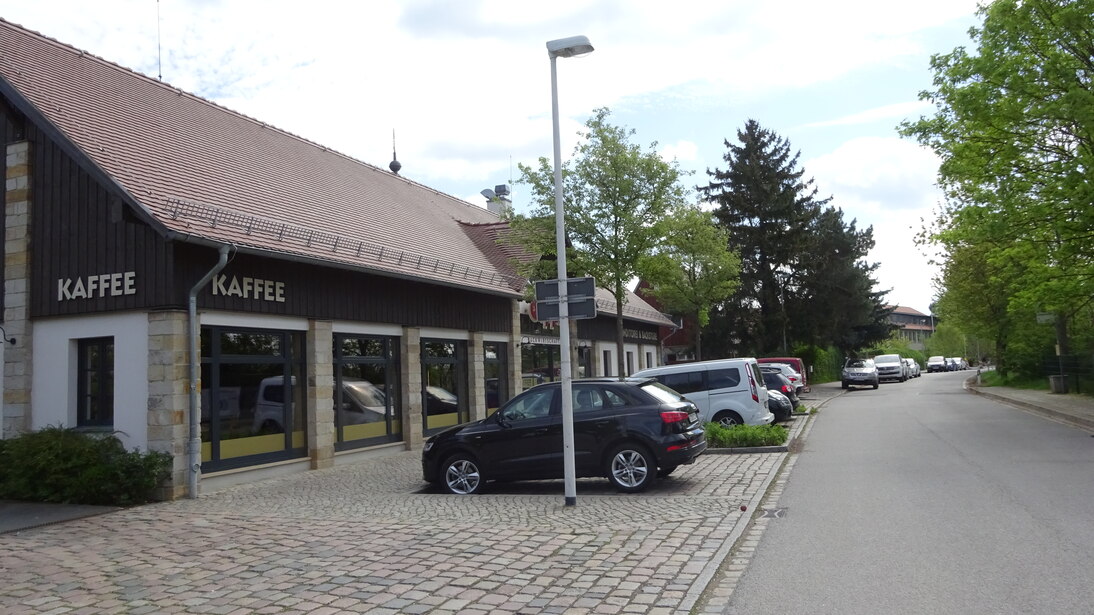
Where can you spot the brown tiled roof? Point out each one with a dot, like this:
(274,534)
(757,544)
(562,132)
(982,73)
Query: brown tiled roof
(901,309)
(636,308)
(504,253)
(206,172)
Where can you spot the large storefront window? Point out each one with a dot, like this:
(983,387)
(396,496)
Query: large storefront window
(540,363)
(366,391)
(495,367)
(444,380)
(252,399)
(95,389)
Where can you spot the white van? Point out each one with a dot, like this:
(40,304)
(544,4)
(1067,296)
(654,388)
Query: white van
(727,391)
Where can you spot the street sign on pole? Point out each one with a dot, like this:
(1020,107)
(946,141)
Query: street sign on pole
(581,299)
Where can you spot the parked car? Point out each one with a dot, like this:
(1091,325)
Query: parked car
(794,362)
(913,367)
(936,364)
(726,391)
(781,384)
(630,431)
(954,364)
(360,402)
(779,405)
(782,368)
(891,367)
(859,372)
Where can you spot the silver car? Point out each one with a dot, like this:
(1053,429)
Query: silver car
(859,373)
(891,367)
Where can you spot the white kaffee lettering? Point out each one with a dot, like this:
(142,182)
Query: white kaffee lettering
(249,288)
(97,286)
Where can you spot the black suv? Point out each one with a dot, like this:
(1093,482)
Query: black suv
(629,431)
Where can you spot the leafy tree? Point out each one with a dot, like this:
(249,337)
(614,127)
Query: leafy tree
(692,269)
(617,197)
(1014,127)
(833,272)
(800,264)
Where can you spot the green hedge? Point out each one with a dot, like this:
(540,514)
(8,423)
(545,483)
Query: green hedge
(74,467)
(742,436)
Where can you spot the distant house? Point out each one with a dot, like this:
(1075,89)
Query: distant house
(915,326)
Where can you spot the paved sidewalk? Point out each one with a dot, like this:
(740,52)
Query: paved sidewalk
(373,538)
(1070,408)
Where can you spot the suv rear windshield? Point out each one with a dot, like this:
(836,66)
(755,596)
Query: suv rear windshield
(662,392)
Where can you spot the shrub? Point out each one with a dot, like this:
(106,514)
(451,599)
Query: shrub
(73,467)
(738,436)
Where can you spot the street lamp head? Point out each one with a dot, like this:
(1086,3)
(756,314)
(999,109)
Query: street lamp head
(569,47)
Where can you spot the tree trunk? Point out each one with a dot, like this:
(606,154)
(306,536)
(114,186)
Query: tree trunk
(621,365)
(698,339)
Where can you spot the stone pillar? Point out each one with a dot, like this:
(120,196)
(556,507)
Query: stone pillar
(169,395)
(476,375)
(516,367)
(410,384)
(18,356)
(320,413)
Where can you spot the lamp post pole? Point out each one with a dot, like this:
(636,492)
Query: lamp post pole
(567,47)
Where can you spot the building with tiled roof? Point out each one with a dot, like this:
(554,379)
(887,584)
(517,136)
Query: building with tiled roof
(914,326)
(205,284)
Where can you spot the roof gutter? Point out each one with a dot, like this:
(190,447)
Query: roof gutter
(194,444)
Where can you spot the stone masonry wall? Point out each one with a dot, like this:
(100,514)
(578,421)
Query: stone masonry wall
(411,387)
(17,357)
(169,394)
(320,413)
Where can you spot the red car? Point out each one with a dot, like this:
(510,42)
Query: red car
(796,363)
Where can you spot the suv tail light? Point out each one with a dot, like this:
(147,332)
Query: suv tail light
(752,386)
(674,416)
(788,389)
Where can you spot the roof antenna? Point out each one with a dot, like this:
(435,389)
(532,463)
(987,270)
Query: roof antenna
(395,165)
(159,44)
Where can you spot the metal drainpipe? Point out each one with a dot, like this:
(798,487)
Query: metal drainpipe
(194,444)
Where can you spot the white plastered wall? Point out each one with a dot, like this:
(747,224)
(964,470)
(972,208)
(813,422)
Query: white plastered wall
(605,352)
(53,392)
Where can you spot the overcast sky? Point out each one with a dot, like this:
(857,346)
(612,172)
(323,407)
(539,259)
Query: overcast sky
(465,85)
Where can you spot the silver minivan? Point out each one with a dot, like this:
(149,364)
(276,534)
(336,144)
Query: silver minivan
(726,391)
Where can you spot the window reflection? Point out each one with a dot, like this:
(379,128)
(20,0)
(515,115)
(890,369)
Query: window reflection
(366,393)
(495,382)
(253,395)
(444,377)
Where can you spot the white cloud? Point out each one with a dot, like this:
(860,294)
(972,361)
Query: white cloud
(681,151)
(887,183)
(898,111)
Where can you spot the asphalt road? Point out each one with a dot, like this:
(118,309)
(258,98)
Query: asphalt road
(921,498)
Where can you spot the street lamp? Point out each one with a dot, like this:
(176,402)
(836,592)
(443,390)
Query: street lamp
(564,48)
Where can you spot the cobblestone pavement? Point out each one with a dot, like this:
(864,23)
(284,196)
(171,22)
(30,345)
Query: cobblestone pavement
(373,538)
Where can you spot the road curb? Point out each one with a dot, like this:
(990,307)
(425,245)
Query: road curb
(710,572)
(746,449)
(1063,417)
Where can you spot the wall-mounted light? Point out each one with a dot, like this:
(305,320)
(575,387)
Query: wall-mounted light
(10,340)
